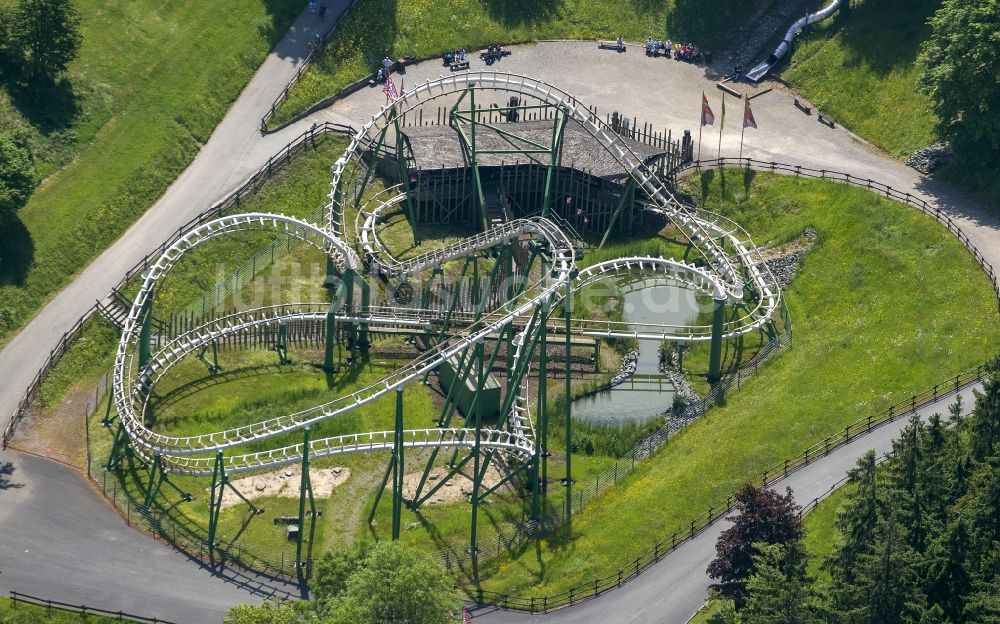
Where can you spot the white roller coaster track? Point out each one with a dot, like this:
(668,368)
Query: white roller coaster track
(724,278)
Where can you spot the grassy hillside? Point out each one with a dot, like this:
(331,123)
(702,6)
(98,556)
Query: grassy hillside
(151,82)
(860,67)
(871,326)
(375,28)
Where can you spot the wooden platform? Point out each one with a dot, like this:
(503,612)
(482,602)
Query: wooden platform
(441,147)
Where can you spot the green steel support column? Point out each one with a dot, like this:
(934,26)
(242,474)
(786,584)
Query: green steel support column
(473,541)
(215,357)
(331,339)
(348,285)
(331,272)
(627,192)
(480,196)
(404,172)
(370,169)
(304,483)
(397,460)
(568,480)
(118,448)
(156,476)
(146,333)
(365,307)
(280,346)
(557,127)
(476,295)
(715,352)
(543,393)
(215,502)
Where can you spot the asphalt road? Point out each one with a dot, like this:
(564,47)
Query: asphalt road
(61,541)
(235,150)
(671,591)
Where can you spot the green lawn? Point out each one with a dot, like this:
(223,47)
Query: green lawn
(21,613)
(297,190)
(424,28)
(886,303)
(861,69)
(151,82)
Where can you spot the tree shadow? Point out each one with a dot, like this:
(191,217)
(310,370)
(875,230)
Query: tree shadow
(6,470)
(48,106)
(885,35)
(17,252)
(521,12)
(748,177)
(705,23)
(369,29)
(288,42)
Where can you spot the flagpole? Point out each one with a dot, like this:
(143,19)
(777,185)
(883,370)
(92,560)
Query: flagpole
(701,122)
(722,126)
(700,127)
(742,132)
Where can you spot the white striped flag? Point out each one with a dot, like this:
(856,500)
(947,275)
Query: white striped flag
(707,116)
(748,120)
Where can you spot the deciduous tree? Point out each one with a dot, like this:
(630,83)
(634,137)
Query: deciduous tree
(46,35)
(764,517)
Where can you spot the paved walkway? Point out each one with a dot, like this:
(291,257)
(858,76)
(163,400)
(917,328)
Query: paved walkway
(235,150)
(73,530)
(62,541)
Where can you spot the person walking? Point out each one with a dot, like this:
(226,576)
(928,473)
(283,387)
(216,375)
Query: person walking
(312,7)
(322,11)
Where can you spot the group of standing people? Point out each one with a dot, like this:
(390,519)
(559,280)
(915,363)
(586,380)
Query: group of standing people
(319,10)
(655,47)
(671,49)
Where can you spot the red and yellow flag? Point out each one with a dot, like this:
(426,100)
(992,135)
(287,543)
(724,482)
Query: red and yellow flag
(707,116)
(748,120)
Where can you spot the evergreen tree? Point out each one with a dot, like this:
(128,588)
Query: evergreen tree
(984,423)
(763,517)
(779,588)
(983,606)
(857,521)
(886,588)
(949,580)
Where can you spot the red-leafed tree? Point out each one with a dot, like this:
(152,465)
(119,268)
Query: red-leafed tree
(764,517)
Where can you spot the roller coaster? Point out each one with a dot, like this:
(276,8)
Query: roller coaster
(723,265)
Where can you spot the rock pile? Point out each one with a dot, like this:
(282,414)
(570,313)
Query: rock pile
(931,158)
(755,34)
(627,368)
(684,393)
(785,265)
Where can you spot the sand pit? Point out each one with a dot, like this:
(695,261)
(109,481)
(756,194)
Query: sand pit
(459,488)
(285,482)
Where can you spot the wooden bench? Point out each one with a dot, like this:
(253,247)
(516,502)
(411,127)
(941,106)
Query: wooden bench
(459,65)
(825,120)
(802,107)
(610,45)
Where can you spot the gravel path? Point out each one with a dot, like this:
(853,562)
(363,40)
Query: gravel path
(62,542)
